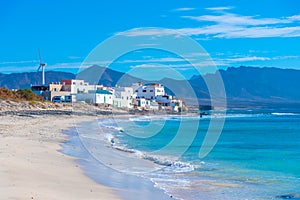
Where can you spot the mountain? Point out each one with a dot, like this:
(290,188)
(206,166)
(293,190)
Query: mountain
(106,76)
(243,85)
(26,79)
(256,85)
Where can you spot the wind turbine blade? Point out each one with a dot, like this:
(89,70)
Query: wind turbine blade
(39,68)
(40,57)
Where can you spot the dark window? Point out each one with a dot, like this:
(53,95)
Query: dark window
(151,90)
(144,90)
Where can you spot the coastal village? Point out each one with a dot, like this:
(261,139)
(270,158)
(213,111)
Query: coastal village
(137,97)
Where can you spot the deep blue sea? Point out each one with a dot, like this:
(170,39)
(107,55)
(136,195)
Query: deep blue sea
(256,157)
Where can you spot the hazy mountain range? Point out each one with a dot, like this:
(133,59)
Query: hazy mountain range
(243,85)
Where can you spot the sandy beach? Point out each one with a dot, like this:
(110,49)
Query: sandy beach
(33,168)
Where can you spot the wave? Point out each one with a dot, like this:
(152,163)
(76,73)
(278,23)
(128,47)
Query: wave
(284,114)
(140,119)
(171,165)
(150,118)
(110,139)
(168,164)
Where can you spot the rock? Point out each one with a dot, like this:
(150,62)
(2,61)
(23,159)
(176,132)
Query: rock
(288,196)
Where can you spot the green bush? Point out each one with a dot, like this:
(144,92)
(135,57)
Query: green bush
(28,95)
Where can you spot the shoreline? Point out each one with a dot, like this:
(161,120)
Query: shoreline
(32,166)
(100,168)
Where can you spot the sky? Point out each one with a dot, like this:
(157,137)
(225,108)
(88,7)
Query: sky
(258,33)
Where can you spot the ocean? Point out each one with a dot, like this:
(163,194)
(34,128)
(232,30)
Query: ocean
(256,157)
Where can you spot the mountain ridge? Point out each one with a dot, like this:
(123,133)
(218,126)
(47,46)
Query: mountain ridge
(242,84)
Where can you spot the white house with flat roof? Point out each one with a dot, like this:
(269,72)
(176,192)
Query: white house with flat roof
(123,97)
(150,91)
(79,87)
(96,97)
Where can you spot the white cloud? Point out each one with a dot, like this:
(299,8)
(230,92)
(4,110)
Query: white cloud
(209,30)
(236,26)
(285,57)
(19,69)
(148,32)
(220,8)
(233,19)
(153,60)
(184,9)
(228,25)
(18,62)
(219,61)
(249,58)
(261,32)
(294,18)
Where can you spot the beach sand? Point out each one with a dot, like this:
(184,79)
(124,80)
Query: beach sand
(33,168)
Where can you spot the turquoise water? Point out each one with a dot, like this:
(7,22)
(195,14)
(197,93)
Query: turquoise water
(256,157)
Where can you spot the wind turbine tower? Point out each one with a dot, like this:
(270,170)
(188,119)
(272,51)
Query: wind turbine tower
(42,65)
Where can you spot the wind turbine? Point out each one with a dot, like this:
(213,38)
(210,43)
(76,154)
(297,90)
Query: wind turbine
(42,65)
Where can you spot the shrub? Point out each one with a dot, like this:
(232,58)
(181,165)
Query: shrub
(22,94)
(33,103)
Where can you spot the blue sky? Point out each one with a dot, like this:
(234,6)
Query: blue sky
(260,33)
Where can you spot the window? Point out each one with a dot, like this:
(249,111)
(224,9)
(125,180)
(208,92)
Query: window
(144,90)
(151,90)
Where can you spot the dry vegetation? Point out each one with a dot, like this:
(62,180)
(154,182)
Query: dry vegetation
(19,95)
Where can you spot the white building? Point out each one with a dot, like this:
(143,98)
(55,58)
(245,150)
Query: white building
(150,91)
(123,97)
(143,103)
(79,86)
(176,105)
(96,97)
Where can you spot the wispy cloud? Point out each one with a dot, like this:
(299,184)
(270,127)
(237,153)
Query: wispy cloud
(262,32)
(228,25)
(249,58)
(286,57)
(15,67)
(154,60)
(234,19)
(220,8)
(148,32)
(183,9)
(295,18)
(18,62)
(233,60)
